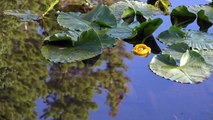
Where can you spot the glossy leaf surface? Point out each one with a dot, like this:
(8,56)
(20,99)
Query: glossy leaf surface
(195,39)
(191,69)
(88,46)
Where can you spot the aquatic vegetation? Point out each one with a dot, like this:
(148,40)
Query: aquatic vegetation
(141,50)
(87,35)
(75,45)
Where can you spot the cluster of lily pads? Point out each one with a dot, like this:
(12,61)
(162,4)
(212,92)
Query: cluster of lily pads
(189,55)
(87,35)
(187,59)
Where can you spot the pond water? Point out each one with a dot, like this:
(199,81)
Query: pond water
(120,86)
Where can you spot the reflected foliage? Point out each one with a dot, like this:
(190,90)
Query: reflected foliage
(74,85)
(67,89)
(22,69)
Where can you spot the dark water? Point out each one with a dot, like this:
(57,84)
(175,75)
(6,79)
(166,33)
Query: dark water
(120,83)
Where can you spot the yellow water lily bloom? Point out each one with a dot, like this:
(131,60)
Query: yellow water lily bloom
(141,50)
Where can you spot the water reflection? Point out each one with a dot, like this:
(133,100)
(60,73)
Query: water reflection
(73,86)
(23,70)
(67,89)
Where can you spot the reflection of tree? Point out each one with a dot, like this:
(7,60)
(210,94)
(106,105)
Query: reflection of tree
(73,85)
(22,66)
(112,78)
(22,69)
(70,89)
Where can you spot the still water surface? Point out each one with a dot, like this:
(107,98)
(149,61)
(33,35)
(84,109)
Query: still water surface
(120,83)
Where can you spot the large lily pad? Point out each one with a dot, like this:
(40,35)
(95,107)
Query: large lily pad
(148,27)
(74,34)
(120,32)
(144,31)
(128,15)
(195,39)
(101,15)
(87,46)
(203,21)
(60,39)
(207,8)
(177,50)
(72,22)
(146,9)
(106,40)
(181,17)
(191,69)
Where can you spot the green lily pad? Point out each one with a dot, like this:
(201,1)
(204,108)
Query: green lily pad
(144,31)
(163,5)
(60,39)
(177,50)
(128,15)
(191,69)
(101,15)
(172,36)
(181,17)
(207,8)
(146,9)
(87,46)
(203,21)
(74,34)
(72,22)
(147,28)
(208,55)
(120,32)
(27,16)
(195,39)
(106,40)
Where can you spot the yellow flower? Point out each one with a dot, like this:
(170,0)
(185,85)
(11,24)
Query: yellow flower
(141,50)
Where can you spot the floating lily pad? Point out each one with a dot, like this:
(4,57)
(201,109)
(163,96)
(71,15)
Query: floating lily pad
(177,50)
(128,15)
(208,55)
(60,39)
(120,32)
(191,69)
(207,8)
(101,15)
(195,39)
(74,34)
(26,16)
(87,46)
(72,22)
(203,21)
(146,9)
(181,17)
(147,28)
(144,31)
(106,40)
(163,5)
